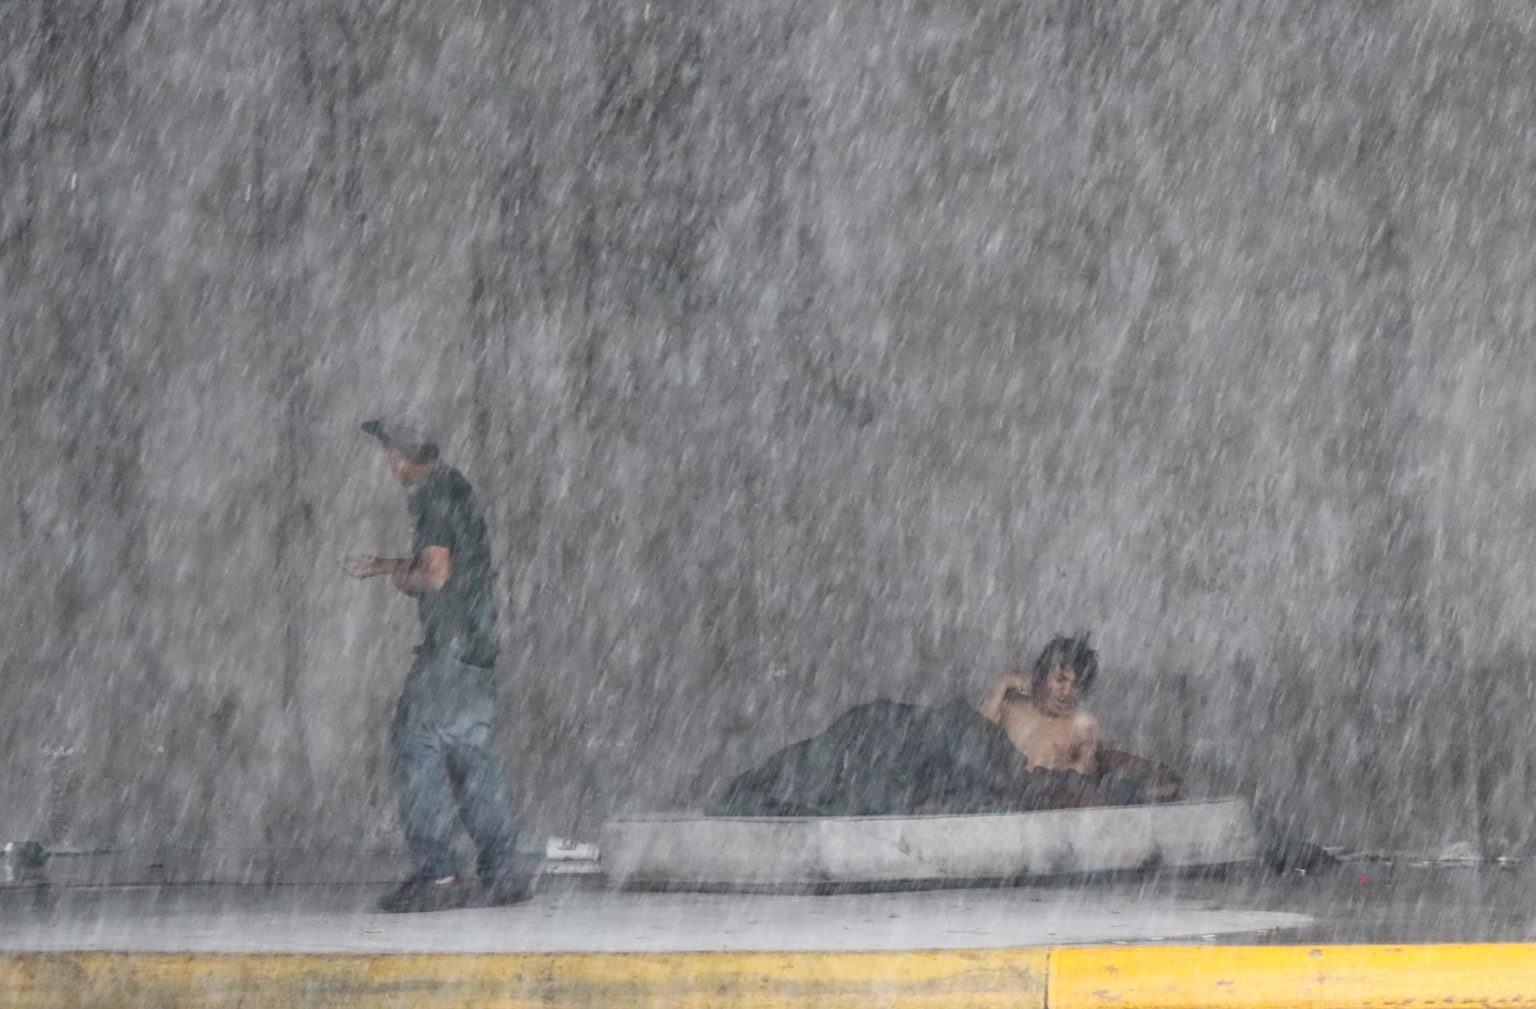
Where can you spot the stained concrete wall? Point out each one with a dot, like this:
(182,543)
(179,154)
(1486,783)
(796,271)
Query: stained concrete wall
(803,353)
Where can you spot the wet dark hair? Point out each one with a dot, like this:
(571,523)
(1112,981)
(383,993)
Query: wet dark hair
(1075,654)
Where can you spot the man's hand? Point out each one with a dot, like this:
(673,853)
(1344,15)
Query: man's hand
(366,566)
(1014,682)
(428,571)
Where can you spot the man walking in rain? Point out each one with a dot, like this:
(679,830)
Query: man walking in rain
(440,742)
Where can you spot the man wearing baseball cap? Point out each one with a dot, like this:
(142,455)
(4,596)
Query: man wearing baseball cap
(440,742)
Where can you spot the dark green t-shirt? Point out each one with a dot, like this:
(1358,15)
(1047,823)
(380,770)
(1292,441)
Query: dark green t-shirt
(461,616)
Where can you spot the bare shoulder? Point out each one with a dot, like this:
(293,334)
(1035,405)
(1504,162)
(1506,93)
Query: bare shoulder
(1085,722)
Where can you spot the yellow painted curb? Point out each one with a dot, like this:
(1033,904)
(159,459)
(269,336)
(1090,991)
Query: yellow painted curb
(1487,976)
(928,979)
(1483,975)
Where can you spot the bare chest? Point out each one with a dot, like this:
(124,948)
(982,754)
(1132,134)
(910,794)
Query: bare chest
(1047,742)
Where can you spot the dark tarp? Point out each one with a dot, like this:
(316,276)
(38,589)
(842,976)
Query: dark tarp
(885,758)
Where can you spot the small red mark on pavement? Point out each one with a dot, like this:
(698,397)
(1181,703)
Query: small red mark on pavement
(1362,878)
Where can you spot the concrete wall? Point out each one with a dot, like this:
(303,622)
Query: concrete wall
(803,353)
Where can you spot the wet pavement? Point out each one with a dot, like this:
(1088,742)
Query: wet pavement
(1353,903)
(1383,902)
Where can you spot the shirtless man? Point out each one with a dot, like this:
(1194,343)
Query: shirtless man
(1040,710)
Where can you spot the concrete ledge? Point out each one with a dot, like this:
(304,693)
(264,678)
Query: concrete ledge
(742,852)
(1128,977)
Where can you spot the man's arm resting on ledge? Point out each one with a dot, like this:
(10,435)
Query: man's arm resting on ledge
(428,571)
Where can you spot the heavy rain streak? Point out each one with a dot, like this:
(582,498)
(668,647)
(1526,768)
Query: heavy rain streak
(790,358)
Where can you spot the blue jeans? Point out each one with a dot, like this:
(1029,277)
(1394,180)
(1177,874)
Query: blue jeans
(440,749)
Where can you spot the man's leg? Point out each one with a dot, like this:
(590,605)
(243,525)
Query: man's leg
(484,807)
(482,790)
(426,799)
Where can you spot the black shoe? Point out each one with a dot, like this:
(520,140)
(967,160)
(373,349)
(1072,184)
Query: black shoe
(424,895)
(504,891)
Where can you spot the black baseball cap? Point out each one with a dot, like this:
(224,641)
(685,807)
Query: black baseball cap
(406,435)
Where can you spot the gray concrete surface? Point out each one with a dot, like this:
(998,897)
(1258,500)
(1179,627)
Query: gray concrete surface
(1361,903)
(338,921)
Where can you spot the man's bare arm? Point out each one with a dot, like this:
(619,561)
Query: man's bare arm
(991,706)
(1085,751)
(428,571)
